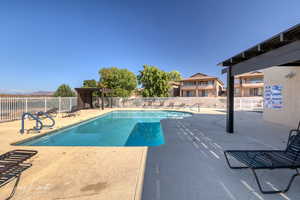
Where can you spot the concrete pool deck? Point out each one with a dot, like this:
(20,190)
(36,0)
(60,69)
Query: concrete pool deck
(191,165)
(77,172)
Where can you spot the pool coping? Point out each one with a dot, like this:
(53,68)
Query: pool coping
(83,121)
(140,176)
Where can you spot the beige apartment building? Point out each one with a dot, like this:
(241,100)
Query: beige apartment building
(201,85)
(174,90)
(249,84)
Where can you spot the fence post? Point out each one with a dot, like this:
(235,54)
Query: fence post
(45,110)
(59,104)
(241,102)
(70,98)
(0,109)
(14,107)
(26,105)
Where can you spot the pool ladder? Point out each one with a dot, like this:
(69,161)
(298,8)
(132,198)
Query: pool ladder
(47,116)
(39,124)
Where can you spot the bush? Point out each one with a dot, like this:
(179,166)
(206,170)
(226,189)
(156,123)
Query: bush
(64,90)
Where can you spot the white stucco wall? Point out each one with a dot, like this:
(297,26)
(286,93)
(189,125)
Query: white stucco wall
(289,114)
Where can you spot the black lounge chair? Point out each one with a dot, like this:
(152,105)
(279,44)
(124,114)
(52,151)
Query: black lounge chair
(17,156)
(12,166)
(270,159)
(52,112)
(73,112)
(171,105)
(182,105)
(9,172)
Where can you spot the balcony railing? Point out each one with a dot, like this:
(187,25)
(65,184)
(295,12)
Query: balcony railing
(253,84)
(194,87)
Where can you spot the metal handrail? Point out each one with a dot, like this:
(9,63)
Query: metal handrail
(39,114)
(39,124)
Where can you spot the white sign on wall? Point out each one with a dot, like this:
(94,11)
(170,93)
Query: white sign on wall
(273,96)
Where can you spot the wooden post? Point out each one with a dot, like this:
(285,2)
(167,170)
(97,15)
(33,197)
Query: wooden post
(91,99)
(230,101)
(59,104)
(102,99)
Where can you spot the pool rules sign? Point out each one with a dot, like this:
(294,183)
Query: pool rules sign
(273,96)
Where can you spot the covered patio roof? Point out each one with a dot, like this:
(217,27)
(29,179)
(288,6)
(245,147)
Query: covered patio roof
(283,49)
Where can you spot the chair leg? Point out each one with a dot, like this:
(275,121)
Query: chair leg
(274,191)
(15,187)
(233,167)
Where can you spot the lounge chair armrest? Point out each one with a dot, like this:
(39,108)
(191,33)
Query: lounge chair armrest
(293,131)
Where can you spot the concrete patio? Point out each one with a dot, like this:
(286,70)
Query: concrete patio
(84,173)
(191,164)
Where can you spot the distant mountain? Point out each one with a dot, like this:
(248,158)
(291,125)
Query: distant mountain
(12,91)
(40,93)
(24,93)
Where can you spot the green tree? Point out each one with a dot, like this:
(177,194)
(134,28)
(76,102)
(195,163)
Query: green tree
(90,83)
(154,82)
(174,76)
(64,90)
(121,81)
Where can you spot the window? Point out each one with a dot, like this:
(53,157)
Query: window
(260,92)
(203,83)
(237,91)
(203,93)
(189,83)
(254,80)
(237,81)
(190,93)
(256,91)
(206,83)
(210,82)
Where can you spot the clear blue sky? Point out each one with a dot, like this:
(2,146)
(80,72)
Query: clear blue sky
(46,43)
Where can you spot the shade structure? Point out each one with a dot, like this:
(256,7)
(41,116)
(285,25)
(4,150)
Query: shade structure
(85,96)
(283,49)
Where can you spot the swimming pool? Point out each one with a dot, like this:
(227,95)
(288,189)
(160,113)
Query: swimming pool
(117,128)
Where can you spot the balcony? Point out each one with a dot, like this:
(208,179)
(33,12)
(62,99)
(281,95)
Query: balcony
(199,87)
(253,85)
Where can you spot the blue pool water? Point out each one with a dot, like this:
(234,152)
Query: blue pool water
(118,128)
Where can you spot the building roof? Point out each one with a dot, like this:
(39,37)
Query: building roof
(200,76)
(174,83)
(281,39)
(104,90)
